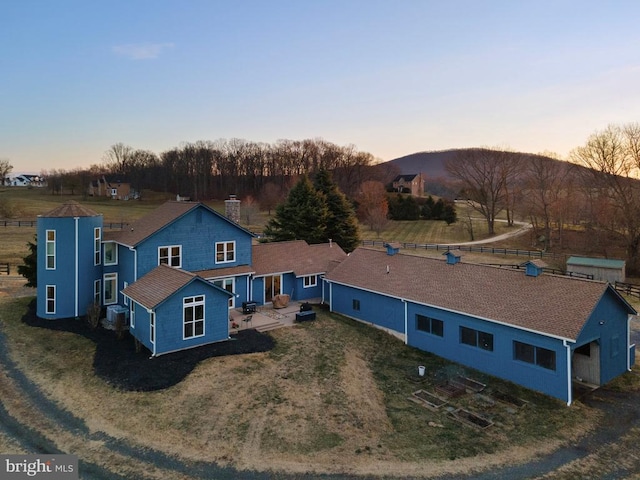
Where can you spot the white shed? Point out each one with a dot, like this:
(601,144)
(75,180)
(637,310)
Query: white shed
(606,269)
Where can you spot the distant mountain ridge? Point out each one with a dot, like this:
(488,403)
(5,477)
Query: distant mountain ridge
(430,164)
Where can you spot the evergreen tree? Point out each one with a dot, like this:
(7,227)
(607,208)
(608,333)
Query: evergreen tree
(303,215)
(449,214)
(437,210)
(342,224)
(29,269)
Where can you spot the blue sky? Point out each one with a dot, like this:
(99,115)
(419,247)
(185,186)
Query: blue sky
(390,77)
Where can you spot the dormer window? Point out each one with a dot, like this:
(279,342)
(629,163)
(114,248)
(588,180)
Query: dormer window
(170,255)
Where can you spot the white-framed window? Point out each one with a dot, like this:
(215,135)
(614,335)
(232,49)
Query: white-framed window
(225,252)
(132,315)
(193,317)
(97,240)
(97,292)
(126,299)
(309,281)
(152,327)
(170,255)
(110,253)
(51,249)
(51,299)
(110,288)
(229,284)
(114,192)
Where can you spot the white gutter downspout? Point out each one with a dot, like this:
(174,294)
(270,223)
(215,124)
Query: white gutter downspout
(155,331)
(76,268)
(330,297)
(406,322)
(569,385)
(628,341)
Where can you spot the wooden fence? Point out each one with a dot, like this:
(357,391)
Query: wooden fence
(470,248)
(5,268)
(628,288)
(32,224)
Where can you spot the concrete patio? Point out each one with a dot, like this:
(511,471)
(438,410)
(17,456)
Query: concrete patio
(266,317)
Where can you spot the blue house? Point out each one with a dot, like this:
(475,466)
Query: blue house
(177,271)
(146,270)
(294,268)
(166,294)
(69,260)
(540,331)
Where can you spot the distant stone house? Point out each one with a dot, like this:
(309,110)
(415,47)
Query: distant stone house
(112,186)
(413,184)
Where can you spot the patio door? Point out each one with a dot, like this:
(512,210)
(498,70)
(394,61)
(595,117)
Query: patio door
(229,285)
(272,287)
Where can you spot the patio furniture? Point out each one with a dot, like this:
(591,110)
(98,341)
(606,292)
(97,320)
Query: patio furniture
(247,320)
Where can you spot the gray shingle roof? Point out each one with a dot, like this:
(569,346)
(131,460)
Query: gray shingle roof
(548,304)
(157,285)
(295,256)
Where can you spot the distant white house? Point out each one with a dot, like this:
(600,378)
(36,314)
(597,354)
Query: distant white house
(24,180)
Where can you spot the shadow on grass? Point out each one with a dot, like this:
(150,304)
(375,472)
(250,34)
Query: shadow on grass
(117,362)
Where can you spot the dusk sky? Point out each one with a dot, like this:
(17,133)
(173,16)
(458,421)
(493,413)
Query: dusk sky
(390,77)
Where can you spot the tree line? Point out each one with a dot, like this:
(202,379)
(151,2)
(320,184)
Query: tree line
(597,190)
(206,170)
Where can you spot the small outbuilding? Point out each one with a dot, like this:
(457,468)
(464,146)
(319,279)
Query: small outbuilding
(603,269)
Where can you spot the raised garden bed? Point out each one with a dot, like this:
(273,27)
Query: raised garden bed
(469,384)
(469,418)
(450,390)
(508,398)
(429,399)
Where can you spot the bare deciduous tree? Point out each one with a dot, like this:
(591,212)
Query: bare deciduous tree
(483,175)
(5,170)
(612,158)
(373,207)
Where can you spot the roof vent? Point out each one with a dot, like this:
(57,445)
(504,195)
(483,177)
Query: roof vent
(452,258)
(392,248)
(534,268)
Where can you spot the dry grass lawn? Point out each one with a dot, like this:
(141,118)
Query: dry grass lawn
(331,397)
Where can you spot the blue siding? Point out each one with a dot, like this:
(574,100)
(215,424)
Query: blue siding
(500,362)
(257,290)
(612,335)
(67,260)
(389,312)
(302,293)
(169,320)
(198,239)
(374,308)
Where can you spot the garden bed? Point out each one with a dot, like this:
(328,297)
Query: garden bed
(469,384)
(450,390)
(472,419)
(429,399)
